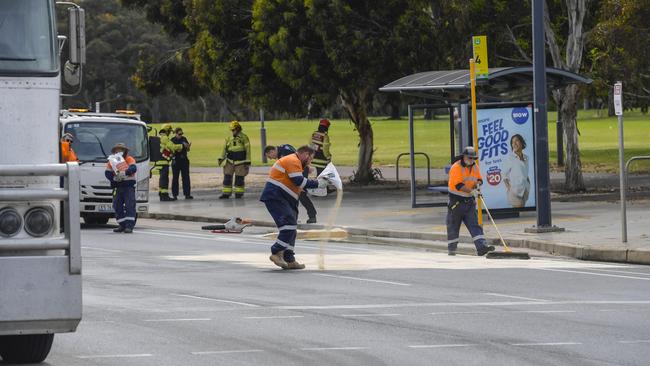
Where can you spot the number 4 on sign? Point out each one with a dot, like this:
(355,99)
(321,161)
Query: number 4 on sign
(477,60)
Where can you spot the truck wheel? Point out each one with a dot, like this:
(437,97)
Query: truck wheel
(96,220)
(30,348)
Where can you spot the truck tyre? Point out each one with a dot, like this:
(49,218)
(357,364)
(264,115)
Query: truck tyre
(30,348)
(96,220)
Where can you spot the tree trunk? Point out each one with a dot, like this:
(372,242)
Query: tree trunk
(567,114)
(355,104)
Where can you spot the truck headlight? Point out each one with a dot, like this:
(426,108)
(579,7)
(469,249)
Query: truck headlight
(10,222)
(142,196)
(143,185)
(39,221)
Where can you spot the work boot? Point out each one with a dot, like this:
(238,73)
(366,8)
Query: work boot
(278,259)
(485,250)
(239,195)
(128,230)
(119,229)
(224,196)
(451,252)
(174,198)
(164,197)
(189,197)
(295,265)
(311,220)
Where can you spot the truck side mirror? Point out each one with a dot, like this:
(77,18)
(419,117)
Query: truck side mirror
(77,17)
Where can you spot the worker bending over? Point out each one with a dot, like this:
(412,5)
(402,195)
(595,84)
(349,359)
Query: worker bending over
(278,152)
(464,181)
(280,195)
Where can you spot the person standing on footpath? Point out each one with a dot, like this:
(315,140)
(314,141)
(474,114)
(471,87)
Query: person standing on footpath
(280,195)
(181,166)
(167,150)
(237,155)
(464,181)
(320,142)
(278,152)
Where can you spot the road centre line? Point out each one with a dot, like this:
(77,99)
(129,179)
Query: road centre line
(614,271)
(333,348)
(420,346)
(217,300)
(362,279)
(545,311)
(117,356)
(547,344)
(635,341)
(457,304)
(367,315)
(103,250)
(461,312)
(275,317)
(512,297)
(594,274)
(178,320)
(201,353)
(187,236)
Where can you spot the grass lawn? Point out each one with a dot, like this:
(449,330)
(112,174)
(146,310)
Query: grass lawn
(598,140)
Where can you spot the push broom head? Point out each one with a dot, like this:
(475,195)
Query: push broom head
(508,255)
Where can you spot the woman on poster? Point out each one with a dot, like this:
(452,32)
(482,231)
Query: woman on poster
(515,172)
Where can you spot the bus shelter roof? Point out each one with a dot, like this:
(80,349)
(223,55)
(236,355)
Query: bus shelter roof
(503,84)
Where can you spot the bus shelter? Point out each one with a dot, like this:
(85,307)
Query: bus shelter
(504,109)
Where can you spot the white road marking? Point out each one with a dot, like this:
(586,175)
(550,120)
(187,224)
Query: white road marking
(512,297)
(442,345)
(636,341)
(547,344)
(217,300)
(333,348)
(190,236)
(103,249)
(117,356)
(457,304)
(461,312)
(226,352)
(367,315)
(595,274)
(545,311)
(178,320)
(275,317)
(362,279)
(613,271)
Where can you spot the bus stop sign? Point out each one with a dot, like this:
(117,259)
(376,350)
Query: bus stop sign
(479,46)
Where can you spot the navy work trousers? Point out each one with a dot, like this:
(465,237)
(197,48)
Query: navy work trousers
(285,216)
(124,206)
(463,210)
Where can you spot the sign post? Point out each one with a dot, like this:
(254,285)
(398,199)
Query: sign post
(478,69)
(618,110)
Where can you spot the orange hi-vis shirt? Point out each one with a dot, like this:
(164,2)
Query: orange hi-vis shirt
(67,154)
(461,175)
(286,176)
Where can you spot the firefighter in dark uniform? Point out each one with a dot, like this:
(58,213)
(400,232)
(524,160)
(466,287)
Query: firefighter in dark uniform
(278,152)
(320,142)
(167,150)
(237,155)
(464,181)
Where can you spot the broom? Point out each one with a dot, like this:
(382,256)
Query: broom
(507,252)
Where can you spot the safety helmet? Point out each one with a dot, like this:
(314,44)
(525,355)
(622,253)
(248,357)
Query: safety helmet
(166,127)
(470,152)
(119,146)
(234,125)
(324,122)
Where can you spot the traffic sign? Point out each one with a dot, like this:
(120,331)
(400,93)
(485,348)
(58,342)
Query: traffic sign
(479,46)
(618,99)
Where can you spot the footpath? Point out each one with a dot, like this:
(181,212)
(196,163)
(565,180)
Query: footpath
(383,215)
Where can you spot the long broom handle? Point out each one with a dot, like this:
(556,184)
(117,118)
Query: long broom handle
(505,246)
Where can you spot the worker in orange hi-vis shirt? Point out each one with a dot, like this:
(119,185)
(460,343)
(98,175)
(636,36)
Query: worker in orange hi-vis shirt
(280,195)
(67,153)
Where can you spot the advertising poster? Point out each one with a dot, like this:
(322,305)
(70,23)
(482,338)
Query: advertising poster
(507,157)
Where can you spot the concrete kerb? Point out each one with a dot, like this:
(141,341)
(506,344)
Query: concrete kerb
(438,240)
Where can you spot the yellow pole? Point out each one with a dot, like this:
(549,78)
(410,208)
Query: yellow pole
(472,78)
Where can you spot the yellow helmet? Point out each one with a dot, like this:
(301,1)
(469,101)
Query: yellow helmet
(166,127)
(234,125)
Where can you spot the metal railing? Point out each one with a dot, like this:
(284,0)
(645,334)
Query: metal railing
(415,153)
(71,241)
(624,196)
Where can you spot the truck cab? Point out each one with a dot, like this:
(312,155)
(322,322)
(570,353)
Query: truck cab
(94,134)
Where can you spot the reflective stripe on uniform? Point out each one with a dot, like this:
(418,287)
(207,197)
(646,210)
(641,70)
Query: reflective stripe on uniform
(452,241)
(478,237)
(283,244)
(293,175)
(288,227)
(284,188)
(278,167)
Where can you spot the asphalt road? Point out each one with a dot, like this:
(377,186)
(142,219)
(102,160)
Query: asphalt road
(170,294)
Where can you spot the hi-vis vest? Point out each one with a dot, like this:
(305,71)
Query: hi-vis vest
(320,142)
(237,150)
(467,176)
(281,173)
(128,161)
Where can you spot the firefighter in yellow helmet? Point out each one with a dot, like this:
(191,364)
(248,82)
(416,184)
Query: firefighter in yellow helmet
(237,155)
(167,150)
